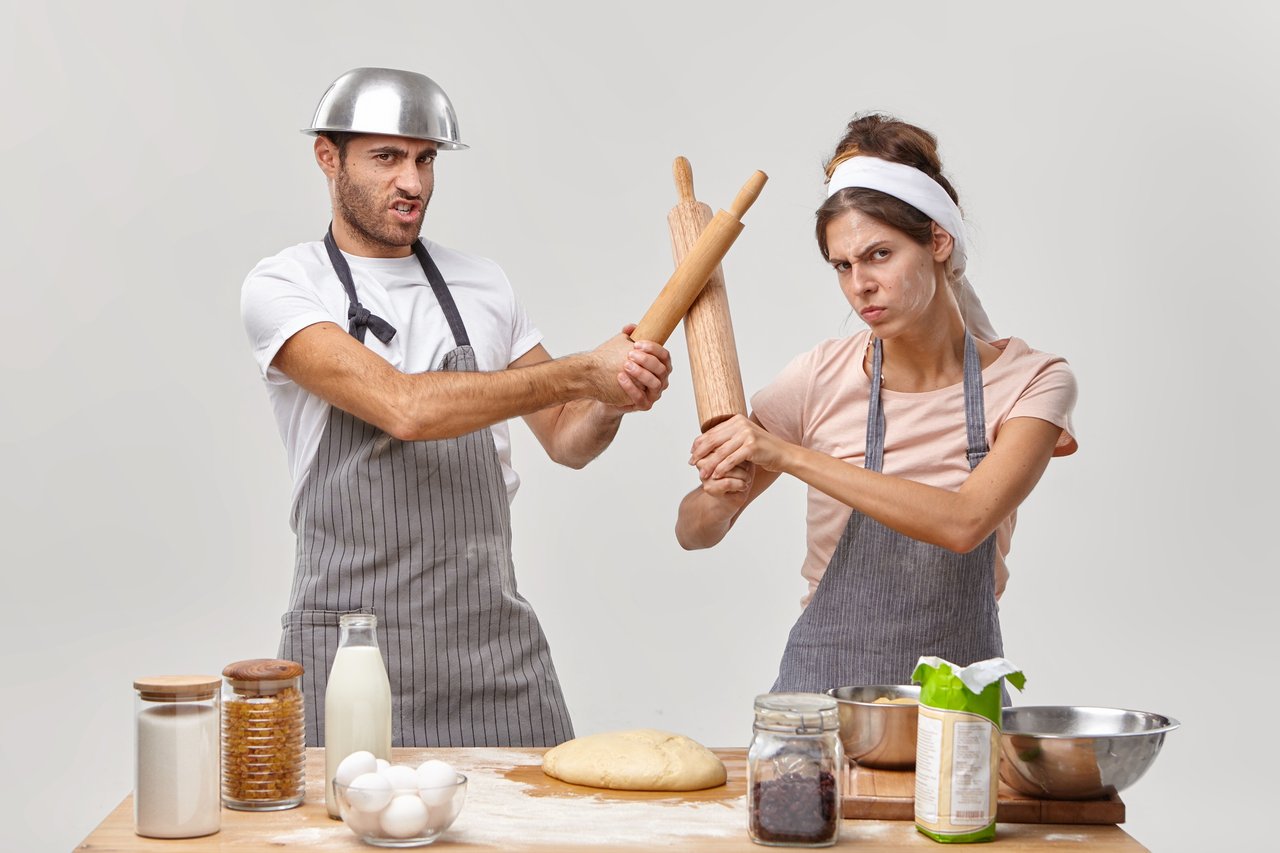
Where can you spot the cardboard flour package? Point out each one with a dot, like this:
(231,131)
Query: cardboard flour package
(958,747)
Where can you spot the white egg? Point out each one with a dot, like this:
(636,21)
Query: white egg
(436,782)
(402,778)
(369,792)
(383,764)
(363,823)
(355,764)
(405,817)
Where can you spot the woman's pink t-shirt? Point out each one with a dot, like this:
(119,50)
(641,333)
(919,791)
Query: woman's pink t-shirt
(819,401)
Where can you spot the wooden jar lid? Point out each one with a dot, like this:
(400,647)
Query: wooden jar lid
(262,675)
(177,688)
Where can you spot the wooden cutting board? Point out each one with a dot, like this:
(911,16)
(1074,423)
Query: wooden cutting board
(890,795)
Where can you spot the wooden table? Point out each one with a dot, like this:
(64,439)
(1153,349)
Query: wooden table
(512,805)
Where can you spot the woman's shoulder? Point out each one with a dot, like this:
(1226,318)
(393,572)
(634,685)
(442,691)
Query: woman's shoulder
(1018,359)
(825,357)
(1035,384)
(838,352)
(807,383)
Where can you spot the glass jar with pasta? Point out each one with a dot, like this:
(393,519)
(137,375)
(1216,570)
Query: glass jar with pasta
(263,735)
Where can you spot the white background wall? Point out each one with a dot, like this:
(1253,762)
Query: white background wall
(1117,163)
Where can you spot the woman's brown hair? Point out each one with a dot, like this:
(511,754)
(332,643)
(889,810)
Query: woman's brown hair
(887,138)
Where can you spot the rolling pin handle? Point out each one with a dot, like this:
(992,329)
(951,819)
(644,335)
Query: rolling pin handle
(683,173)
(748,194)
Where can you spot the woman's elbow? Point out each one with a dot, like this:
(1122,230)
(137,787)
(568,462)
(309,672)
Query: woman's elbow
(963,536)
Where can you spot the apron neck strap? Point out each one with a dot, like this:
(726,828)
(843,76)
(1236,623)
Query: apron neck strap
(360,317)
(974,407)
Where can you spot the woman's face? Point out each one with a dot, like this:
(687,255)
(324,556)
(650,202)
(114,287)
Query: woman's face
(887,277)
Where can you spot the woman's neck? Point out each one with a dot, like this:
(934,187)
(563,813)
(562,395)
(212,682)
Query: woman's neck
(930,354)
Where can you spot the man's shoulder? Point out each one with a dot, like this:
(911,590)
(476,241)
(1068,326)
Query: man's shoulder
(301,267)
(298,259)
(455,264)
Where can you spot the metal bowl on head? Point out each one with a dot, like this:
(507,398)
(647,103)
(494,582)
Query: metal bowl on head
(390,102)
(1064,752)
(878,734)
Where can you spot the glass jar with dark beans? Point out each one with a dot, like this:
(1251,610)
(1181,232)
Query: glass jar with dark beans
(793,770)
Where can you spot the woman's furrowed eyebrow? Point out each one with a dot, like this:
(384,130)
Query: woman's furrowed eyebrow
(858,256)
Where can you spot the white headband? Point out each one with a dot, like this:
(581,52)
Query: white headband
(926,195)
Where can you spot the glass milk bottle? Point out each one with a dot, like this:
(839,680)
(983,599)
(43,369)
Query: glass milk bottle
(357,702)
(175,791)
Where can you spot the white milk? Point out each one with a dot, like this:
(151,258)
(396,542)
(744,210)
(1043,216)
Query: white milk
(357,711)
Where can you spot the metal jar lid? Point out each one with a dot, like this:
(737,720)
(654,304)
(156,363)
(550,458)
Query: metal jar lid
(390,102)
(796,713)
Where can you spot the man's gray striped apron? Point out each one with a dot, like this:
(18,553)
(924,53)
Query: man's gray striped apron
(419,533)
(885,598)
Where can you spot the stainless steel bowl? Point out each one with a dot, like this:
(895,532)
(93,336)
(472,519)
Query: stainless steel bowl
(878,734)
(388,101)
(1063,752)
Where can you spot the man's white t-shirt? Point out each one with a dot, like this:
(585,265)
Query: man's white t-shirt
(298,288)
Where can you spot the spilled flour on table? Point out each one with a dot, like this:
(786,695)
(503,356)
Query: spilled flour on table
(499,811)
(312,835)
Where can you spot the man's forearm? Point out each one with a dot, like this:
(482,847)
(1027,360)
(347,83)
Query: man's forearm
(442,404)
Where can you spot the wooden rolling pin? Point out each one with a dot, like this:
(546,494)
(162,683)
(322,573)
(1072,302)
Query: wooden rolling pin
(691,275)
(708,328)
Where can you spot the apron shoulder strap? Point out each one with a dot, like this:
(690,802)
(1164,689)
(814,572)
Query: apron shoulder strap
(443,296)
(360,317)
(975,410)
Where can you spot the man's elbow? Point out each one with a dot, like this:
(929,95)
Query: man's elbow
(407,419)
(568,458)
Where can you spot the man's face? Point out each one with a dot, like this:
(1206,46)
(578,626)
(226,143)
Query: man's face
(381,189)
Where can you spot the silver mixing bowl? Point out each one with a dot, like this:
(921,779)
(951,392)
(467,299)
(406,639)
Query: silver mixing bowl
(878,734)
(1063,752)
(388,101)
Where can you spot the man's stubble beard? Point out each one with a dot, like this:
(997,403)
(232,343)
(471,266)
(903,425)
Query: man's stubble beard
(364,213)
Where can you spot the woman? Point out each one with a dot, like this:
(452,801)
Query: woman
(918,437)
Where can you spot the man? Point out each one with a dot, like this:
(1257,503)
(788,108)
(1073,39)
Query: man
(392,365)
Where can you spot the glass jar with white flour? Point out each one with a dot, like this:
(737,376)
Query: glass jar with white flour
(177,767)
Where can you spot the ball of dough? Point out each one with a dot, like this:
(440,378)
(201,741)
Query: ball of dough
(635,760)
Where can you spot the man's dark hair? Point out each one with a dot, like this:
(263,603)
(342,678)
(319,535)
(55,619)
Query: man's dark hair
(341,139)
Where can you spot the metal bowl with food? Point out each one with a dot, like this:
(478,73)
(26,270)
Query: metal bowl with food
(1065,752)
(878,724)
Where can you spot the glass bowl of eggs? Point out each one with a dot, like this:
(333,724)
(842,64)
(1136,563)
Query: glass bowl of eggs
(400,806)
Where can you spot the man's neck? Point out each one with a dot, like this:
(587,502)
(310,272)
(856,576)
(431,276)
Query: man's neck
(353,242)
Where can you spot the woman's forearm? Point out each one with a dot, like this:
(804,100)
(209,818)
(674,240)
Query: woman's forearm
(922,512)
(959,520)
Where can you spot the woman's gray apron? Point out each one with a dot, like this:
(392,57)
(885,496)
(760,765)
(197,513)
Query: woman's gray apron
(885,598)
(419,533)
